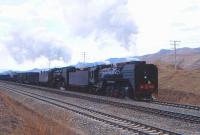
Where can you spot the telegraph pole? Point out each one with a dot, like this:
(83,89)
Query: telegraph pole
(84,56)
(175,44)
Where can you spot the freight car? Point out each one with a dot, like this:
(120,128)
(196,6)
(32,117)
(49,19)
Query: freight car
(27,77)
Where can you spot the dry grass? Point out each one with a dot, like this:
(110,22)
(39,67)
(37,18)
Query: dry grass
(181,86)
(179,97)
(32,122)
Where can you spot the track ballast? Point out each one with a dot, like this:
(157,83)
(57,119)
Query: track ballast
(118,122)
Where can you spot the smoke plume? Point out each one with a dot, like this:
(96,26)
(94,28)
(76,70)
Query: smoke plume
(29,48)
(102,18)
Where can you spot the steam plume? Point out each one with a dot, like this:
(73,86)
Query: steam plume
(29,48)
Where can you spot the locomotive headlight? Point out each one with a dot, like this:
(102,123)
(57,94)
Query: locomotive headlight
(145,77)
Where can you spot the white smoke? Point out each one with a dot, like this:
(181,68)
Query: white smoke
(25,48)
(101,18)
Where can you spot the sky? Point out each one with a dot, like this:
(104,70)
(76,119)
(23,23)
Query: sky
(55,33)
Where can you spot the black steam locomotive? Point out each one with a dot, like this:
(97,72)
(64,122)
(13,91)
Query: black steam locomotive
(134,79)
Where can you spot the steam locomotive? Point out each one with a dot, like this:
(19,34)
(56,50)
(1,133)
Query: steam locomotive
(135,79)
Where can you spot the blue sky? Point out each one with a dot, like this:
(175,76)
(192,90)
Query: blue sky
(35,33)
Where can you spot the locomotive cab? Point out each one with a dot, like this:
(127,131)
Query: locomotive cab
(146,82)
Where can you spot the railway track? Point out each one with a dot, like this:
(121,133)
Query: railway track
(169,114)
(191,107)
(117,122)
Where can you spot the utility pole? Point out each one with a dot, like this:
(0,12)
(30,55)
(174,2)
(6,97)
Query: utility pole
(175,44)
(84,56)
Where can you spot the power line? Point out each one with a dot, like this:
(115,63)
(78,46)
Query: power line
(175,44)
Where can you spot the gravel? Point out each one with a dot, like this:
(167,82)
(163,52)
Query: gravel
(138,103)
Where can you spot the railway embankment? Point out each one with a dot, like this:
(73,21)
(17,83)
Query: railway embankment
(77,124)
(17,119)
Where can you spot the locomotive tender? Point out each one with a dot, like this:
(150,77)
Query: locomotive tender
(134,79)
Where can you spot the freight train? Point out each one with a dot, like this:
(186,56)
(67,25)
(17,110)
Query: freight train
(135,79)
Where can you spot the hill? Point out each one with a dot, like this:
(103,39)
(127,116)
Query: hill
(181,86)
(187,58)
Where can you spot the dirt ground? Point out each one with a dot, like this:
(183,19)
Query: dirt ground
(181,86)
(16,119)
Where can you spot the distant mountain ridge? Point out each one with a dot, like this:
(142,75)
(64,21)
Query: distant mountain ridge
(107,61)
(187,58)
(185,50)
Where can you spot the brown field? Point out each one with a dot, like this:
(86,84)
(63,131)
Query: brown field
(181,86)
(16,119)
